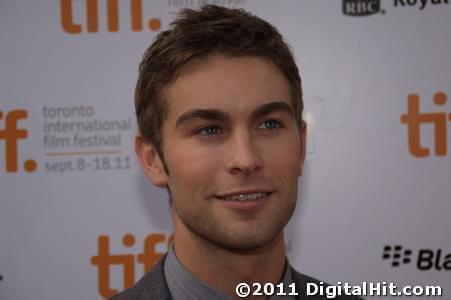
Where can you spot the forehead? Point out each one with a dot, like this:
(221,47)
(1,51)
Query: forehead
(232,84)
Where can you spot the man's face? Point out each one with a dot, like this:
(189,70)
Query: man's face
(233,150)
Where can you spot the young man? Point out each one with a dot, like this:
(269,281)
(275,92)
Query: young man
(219,108)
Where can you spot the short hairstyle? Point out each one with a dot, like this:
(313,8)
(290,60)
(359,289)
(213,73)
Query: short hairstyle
(197,35)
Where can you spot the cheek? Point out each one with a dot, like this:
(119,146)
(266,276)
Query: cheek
(190,167)
(283,157)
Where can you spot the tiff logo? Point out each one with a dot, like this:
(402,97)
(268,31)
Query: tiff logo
(104,260)
(112,16)
(11,135)
(413,119)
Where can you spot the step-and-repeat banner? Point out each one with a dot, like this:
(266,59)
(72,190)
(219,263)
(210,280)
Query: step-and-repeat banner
(78,219)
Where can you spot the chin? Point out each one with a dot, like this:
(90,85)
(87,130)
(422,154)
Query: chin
(251,241)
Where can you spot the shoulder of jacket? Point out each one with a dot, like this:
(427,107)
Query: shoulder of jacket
(151,286)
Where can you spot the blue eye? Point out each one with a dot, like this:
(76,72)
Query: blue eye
(209,131)
(270,124)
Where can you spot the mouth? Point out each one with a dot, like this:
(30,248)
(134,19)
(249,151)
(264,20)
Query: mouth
(243,197)
(243,200)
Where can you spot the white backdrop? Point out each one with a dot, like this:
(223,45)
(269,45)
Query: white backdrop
(77,216)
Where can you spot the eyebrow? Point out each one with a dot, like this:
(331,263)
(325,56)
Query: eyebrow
(271,107)
(207,114)
(221,116)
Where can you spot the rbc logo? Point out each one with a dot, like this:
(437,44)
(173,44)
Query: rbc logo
(112,15)
(413,119)
(11,135)
(361,7)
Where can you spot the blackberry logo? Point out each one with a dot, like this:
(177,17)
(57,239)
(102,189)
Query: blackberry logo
(426,259)
(359,8)
(397,255)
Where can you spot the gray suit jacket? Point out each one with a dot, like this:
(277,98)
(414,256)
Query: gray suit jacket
(153,287)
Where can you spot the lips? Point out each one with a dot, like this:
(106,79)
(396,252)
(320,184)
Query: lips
(249,200)
(242,197)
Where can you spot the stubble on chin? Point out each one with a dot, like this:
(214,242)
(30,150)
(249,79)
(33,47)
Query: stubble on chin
(238,236)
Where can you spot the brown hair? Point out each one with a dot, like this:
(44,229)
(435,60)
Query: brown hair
(196,35)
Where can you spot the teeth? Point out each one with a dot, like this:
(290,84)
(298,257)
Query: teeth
(245,197)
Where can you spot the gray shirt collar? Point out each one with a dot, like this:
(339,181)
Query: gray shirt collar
(183,285)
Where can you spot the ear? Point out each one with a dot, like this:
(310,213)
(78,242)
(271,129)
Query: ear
(151,162)
(303,140)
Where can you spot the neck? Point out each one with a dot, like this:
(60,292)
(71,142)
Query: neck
(224,268)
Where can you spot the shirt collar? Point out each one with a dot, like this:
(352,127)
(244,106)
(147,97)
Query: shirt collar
(183,285)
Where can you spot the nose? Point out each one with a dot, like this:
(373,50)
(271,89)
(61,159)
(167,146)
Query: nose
(244,156)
